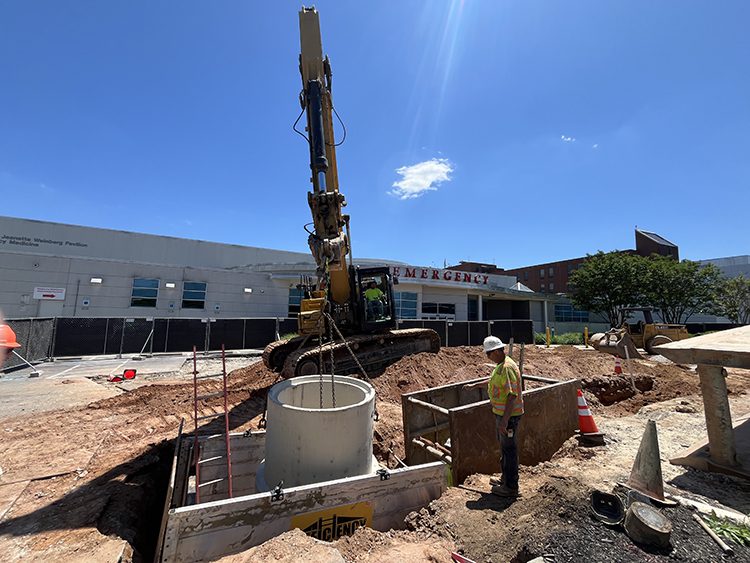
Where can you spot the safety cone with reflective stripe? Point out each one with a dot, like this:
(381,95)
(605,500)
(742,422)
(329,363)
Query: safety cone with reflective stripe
(590,435)
(618,366)
(586,422)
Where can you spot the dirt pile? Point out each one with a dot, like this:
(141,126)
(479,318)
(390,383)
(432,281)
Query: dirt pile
(551,517)
(615,388)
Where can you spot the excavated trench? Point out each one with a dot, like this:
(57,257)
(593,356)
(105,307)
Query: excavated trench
(134,509)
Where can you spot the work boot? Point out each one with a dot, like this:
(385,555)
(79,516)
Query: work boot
(496,481)
(503,491)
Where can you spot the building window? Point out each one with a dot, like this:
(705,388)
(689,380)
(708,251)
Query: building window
(406,304)
(473,308)
(541,273)
(295,299)
(571,267)
(438,311)
(194,295)
(525,275)
(144,292)
(565,313)
(552,286)
(544,288)
(551,271)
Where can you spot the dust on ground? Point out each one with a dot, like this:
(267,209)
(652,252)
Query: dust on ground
(87,482)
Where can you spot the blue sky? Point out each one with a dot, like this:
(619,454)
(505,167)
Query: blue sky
(547,130)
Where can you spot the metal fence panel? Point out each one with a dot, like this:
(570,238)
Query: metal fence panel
(34,336)
(458,333)
(478,331)
(439,327)
(259,332)
(80,336)
(159,339)
(39,345)
(410,324)
(227,332)
(137,334)
(502,329)
(186,333)
(287,326)
(522,331)
(114,335)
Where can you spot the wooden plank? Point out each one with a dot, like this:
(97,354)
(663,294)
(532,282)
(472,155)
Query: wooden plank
(170,489)
(215,445)
(212,530)
(242,485)
(181,475)
(728,348)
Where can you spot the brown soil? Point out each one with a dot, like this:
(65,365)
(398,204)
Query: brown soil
(93,474)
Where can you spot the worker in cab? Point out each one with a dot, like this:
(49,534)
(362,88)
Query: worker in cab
(375,299)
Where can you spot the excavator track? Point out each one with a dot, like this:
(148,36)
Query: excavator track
(275,354)
(374,352)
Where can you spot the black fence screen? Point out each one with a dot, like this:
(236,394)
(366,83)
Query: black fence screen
(45,338)
(35,337)
(472,333)
(87,336)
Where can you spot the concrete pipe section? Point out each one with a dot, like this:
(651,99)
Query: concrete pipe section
(309,444)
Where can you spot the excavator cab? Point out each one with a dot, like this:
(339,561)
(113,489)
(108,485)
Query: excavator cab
(376,310)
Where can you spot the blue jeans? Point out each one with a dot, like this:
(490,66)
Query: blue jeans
(375,309)
(509,447)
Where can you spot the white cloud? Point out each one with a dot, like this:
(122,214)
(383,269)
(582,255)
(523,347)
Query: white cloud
(595,146)
(421,177)
(567,139)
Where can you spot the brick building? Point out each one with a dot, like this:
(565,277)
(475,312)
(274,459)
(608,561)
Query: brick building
(552,277)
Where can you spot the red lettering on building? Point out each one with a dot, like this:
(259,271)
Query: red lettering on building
(445,275)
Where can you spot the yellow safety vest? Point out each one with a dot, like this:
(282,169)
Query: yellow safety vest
(505,380)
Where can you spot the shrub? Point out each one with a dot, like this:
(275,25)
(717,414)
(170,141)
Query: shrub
(567,338)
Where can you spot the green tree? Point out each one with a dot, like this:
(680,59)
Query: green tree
(680,289)
(733,300)
(609,282)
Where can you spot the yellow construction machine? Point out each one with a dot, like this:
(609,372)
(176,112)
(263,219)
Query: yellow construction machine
(646,334)
(347,318)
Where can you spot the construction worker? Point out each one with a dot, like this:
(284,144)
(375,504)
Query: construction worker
(7,340)
(375,298)
(504,390)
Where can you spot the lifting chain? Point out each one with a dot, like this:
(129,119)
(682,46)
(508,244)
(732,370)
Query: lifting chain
(333,365)
(321,327)
(332,325)
(320,362)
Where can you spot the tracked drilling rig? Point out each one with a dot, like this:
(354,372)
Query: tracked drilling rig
(347,318)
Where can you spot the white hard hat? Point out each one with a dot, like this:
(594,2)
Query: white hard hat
(492,343)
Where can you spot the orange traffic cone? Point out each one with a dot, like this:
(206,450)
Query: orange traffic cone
(586,422)
(618,366)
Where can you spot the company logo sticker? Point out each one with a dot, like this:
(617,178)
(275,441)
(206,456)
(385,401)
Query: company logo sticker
(333,523)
